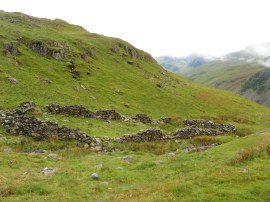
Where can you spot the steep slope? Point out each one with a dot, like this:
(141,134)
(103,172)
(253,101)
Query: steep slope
(236,71)
(54,62)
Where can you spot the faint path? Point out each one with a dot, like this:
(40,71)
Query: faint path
(262,131)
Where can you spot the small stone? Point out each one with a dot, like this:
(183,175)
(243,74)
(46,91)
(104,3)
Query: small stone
(105,183)
(171,155)
(119,168)
(127,158)
(99,167)
(126,105)
(95,176)
(86,146)
(48,170)
(130,62)
(52,156)
(12,80)
(8,150)
(10,162)
(97,148)
(45,81)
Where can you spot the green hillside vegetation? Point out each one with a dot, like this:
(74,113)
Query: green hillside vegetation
(231,77)
(250,79)
(51,61)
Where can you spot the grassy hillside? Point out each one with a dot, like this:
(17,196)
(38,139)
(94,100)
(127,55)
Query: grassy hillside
(231,77)
(237,74)
(106,79)
(51,61)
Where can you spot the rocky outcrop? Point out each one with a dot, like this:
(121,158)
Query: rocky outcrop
(72,69)
(201,123)
(72,110)
(149,135)
(88,53)
(11,49)
(48,48)
(132,52)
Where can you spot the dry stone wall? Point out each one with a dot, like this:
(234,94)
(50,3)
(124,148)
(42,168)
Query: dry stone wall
(189,132)
(19,123)
(149,135)
(72,110)
(201,123)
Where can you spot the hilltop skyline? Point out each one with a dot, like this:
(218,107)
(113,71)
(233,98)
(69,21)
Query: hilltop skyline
(171,27)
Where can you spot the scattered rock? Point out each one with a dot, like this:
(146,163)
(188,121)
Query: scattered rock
(52,156)
(36,151)
(105,183)
(159,85)
(171,155)
(130,62)
(99,167)
(126,105)
(3,139)
(7,150)
(25,107)
(127,158)
(196,148)
(45,81)
(95,176)
(97,148)
(164,120)
(47,171)
(86,146)
(11,162)
(245,170)
(158,161)
(12,80)
(11,49)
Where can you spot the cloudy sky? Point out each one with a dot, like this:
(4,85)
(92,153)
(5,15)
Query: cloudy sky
(163,27)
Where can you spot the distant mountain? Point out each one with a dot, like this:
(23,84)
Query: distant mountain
(245,72)
(183,64)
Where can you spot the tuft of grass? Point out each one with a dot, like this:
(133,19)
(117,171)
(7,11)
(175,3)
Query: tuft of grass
(248,154)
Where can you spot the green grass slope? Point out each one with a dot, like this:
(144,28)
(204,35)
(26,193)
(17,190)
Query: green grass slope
(234,171)
(110,73)
(107,81)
